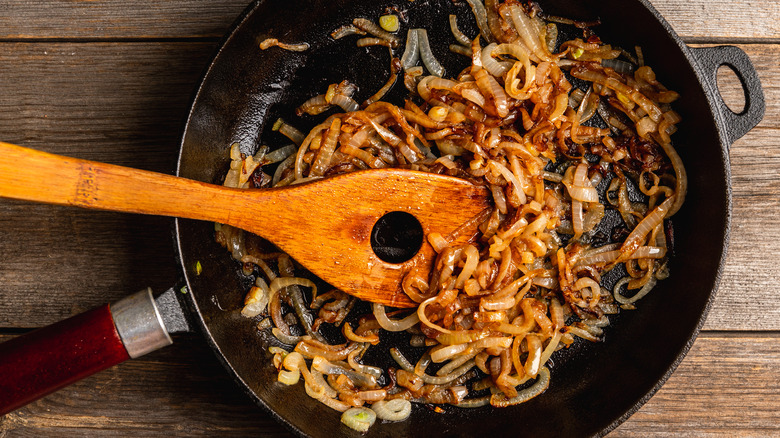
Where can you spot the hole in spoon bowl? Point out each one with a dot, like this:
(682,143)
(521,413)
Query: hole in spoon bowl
(396,237)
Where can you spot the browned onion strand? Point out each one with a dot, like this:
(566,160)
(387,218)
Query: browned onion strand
(374,29)
(492,311)
(273,42)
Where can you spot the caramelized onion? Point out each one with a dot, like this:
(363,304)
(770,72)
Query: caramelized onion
(503,299)
(527,31)
(481,16)
(273,42)
(393,325)
(459,36)
(393,410)
(359,419)
(374,29)
(412,50)
(426,54)
(541,384)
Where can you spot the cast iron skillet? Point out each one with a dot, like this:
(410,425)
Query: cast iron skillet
(594,387)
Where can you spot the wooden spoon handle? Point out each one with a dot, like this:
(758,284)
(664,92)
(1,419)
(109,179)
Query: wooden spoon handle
(42,177)
(326,224)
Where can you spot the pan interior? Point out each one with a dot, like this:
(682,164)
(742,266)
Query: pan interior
(593,386)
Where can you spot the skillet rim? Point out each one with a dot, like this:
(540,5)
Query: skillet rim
(190,303)
(710,90)
(711,94)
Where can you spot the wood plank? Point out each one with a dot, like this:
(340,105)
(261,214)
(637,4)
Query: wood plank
(750,276)
(22,19)
(125,103)
(58,261)
(726,386)
(119,103)
(721,20)
(182,391)
(754,160)
(66,19)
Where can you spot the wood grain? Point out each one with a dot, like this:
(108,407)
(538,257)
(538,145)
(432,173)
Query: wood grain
(722,20)
(695,20)
(182,390)
(122,103)
(726,386)
(66,19)
(118,103)
(110,80)
(125,103)
(749,273)
(60,261)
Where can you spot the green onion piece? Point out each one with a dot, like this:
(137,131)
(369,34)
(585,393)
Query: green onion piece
(359,419)
(389,23)
(274,349)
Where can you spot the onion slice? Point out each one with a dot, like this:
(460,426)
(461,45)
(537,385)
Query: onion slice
(480,14)
(541,384)
(359,419)
(393,410)
(393,325)
(428,59)
(412,50)
(459,36)
(273,42)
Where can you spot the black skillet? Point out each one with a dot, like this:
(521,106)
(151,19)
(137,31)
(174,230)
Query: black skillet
(594,386)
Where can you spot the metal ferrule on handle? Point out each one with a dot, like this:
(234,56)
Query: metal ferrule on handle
(140,324)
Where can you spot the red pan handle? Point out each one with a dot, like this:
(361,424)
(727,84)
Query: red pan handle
(45,360)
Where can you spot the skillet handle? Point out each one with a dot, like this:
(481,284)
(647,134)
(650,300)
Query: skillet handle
(45,360)
(712,58)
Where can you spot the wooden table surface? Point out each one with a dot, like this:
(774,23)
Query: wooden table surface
(111,80)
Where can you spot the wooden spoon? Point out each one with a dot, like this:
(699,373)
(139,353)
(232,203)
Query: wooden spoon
(326,225)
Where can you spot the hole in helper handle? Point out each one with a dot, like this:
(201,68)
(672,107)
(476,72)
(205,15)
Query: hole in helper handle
(45,360)
(735,124)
